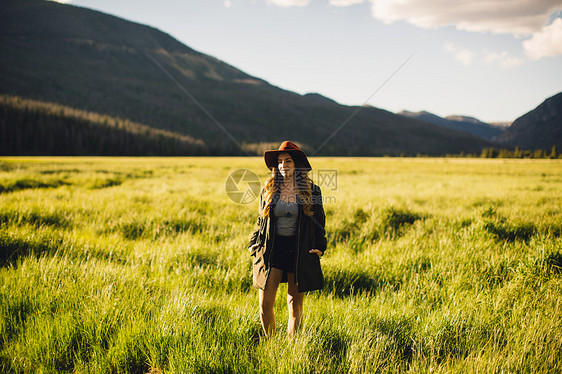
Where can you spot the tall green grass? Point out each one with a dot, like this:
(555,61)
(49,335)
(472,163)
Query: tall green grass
(138,265)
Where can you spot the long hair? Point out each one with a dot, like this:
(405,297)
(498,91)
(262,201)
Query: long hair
(303,186)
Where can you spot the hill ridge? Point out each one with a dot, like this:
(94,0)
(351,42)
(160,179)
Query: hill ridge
(541,128)
(465,124)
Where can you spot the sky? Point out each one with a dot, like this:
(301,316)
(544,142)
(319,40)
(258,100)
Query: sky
(490,59)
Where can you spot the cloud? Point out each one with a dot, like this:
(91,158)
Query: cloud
(467,56)
(503,59)
(517,17)
(289,3)
(463,55)
(345,2)
(545,43)
(227,3)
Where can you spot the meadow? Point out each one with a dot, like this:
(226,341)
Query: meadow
(139,265)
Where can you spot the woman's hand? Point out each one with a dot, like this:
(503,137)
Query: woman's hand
(253,248)
(317,251)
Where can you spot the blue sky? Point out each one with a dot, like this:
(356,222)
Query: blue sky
(494,59)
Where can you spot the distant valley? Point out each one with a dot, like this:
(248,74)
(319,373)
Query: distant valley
(460,123)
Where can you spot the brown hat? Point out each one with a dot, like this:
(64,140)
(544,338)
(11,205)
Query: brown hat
(290,148)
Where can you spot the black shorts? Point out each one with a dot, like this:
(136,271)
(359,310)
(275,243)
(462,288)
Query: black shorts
(284,250)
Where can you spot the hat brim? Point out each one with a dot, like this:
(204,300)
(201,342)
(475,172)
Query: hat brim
(296,154)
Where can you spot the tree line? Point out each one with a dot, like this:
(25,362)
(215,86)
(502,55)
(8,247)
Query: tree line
(29,127)
(492,152)
(520,153)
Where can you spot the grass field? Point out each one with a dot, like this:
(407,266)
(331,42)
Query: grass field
(138,265)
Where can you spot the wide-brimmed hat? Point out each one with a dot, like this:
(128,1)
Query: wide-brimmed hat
(287,147)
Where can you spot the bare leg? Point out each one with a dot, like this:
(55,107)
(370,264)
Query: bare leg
(294,303)
(267,300)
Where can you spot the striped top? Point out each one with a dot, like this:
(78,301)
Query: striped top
(287,216)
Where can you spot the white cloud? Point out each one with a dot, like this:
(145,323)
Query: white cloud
(289,3)
(503,59)
(518,17)
(463,55)
(227,3)
(467,56)
(345,2)
(545,43)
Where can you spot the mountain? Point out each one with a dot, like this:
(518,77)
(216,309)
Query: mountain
(541,128)
(97,63)
(460,123)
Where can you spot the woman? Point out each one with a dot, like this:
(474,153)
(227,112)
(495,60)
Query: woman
(290,237)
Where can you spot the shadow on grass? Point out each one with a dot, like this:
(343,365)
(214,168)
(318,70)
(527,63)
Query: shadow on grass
(148,229)
(361,228)
(554,262)
(332,343)
(27,183)
(48,243)
(35,218)
(507,230)
(100,183)
(457,336)
(398,334)
(346,282)
(12,248)
(510,231)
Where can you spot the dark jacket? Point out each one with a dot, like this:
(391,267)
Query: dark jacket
(311,234)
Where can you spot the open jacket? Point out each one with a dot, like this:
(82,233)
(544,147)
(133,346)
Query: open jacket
(311,234)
